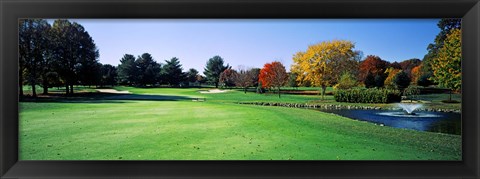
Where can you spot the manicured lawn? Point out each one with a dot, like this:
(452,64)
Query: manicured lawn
(237,95)
(28,89)
(435,101)
(230,96)
(216,129)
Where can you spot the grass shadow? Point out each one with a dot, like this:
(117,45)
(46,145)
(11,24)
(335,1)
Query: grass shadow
(97,97)
(146,97)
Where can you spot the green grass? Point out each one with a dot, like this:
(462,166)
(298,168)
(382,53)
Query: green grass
(191,92)
(229,97)
(435,101)
(236,95)
(27,89)
(214,130)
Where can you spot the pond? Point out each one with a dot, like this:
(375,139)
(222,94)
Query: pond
(439,122)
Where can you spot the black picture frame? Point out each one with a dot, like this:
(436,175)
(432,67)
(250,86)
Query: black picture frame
(12,10)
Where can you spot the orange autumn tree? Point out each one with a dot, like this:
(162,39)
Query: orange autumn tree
(273,75)
(264,75)
(416,73)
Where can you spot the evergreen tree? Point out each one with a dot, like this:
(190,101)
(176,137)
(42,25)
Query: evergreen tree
(214,68)
(109,75)
(127,70)
(172,72)
(148,70)
(191,75)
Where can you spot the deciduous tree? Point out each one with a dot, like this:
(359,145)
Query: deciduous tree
(391,73)
(395,65)
(424,80)
(374,65)
(255,73)
(89,73)
(445,25)
(416,73)
(408,65)
(228,77)
(323,63)
(402,80)
(87,67)
(73,48)
(273,75)
(246,78)
(347,81)
(292,79)
(34,56)
(447,65)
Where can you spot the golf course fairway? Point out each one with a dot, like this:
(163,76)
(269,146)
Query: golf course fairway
(212,130)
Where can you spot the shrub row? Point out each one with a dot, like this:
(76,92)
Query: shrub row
(341,106)
(371,95)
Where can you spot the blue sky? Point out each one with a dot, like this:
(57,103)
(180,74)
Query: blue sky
(254,42)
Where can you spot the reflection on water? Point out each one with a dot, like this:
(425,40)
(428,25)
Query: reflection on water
(403,114)
(449,123)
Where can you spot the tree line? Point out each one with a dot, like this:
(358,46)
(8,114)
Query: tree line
(64,54)
(145,71)
(336,63)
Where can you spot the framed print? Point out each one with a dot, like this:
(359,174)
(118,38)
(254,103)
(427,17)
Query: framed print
(382,89)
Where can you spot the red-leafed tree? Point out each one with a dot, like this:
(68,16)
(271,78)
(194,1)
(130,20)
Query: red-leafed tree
(227,77)
(374,65)
(273,75)
(263,77)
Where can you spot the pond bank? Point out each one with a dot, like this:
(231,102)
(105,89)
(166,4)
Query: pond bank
(341,106)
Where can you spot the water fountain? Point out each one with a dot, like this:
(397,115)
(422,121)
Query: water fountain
(406,116)
(409,108)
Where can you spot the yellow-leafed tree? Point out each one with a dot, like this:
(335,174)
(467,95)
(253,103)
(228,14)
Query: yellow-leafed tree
(322,64)
(447,65)
(389,81)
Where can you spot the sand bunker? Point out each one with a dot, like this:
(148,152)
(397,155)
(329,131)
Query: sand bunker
(112,91)
(214,91)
